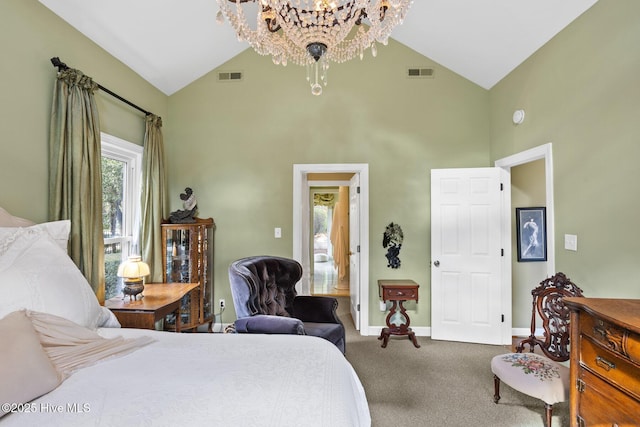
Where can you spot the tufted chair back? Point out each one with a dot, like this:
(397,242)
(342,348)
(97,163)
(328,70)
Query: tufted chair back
(264,285)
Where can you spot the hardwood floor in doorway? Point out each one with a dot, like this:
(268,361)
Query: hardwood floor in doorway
(325,277)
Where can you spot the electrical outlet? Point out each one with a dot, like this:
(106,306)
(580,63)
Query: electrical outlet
(222,303)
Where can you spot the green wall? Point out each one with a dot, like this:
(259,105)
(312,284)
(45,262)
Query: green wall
(236,143)
(30,35)
(581,92)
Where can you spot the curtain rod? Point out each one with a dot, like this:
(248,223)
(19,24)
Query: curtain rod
(62,66)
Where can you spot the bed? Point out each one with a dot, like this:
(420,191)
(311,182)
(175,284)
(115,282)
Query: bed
(147,378)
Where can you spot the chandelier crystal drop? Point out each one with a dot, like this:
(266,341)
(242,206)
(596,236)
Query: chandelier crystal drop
(313,33)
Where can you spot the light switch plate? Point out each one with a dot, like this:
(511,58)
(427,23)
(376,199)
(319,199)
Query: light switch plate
(571,242)
(277,232)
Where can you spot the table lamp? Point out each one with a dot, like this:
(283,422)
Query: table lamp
(132,271)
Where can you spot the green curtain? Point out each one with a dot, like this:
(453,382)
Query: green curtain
(324,199)
(154,197)
(75,172)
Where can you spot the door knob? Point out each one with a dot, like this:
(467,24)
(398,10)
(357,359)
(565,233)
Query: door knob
(436,263)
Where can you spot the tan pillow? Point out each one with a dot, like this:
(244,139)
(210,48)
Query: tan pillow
(26,370)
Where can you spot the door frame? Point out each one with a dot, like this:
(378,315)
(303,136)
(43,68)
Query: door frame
(537,153)
(300,233)
(540,152)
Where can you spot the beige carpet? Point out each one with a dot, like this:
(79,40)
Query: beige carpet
(439,384)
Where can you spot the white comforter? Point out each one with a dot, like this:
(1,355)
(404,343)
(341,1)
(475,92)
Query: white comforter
(208,379)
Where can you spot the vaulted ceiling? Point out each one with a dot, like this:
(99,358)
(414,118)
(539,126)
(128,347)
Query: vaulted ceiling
(171,43)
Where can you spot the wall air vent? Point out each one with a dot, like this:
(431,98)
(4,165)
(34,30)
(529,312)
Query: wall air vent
(230,76)
(420,73)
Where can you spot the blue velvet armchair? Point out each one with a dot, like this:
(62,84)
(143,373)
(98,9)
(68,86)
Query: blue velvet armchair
(266,301)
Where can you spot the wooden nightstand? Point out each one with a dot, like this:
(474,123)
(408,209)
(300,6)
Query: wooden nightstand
(398,291)
(159,300)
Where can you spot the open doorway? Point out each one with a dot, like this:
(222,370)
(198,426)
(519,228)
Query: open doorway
(358,201)
(544,153)
(538,165)
(535,164)
(330,238)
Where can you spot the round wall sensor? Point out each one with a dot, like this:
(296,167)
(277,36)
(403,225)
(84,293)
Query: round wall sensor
(518,117)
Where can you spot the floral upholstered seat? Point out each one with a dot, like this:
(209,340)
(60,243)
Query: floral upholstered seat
(534,375)
(542,376)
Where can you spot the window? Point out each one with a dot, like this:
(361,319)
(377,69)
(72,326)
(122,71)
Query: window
(121,180)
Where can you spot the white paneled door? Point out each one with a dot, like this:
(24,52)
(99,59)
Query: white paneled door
(466,251)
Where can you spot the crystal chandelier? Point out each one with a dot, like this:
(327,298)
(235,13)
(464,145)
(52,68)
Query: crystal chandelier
(313,33)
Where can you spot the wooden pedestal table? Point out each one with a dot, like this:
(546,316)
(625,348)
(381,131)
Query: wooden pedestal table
(398,291)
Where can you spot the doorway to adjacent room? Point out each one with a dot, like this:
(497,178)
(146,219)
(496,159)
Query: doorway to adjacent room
(329,232)
(356,177)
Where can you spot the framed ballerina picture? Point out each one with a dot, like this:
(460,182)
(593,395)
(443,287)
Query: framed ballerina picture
(531,225)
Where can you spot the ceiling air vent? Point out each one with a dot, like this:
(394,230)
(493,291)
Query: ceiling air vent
(230,76)
(420,73)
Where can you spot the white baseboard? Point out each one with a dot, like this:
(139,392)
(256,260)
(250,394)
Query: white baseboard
(425,331)
(523,332)
(420,331)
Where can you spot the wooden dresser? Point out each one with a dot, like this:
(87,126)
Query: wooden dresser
(605,362)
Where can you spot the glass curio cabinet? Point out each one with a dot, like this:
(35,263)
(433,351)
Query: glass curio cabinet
(187,252)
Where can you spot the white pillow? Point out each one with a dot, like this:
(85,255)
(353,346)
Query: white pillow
(58,230)
(108,319)
(37,274)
